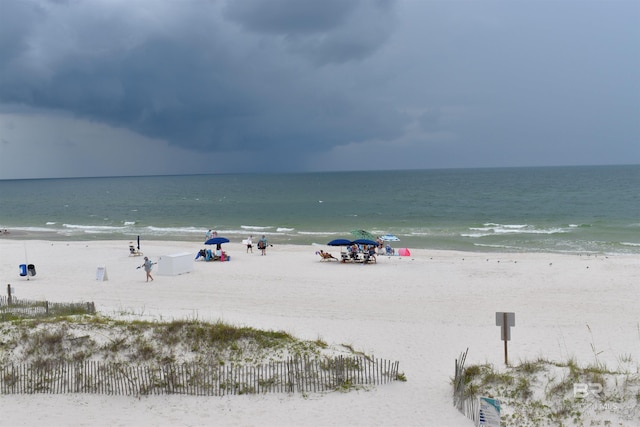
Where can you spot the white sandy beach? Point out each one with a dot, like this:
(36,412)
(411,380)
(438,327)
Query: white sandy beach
(422,310)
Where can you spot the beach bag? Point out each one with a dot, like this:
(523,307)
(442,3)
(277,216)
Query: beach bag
(262,244)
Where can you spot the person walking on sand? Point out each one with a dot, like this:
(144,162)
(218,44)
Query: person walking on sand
(262,245)
(250,244)
(147,268)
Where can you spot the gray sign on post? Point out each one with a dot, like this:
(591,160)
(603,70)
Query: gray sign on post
(505,320)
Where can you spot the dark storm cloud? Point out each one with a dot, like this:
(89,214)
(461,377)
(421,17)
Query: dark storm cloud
(330,31)
(308,83)
(290,17)
(13,30)
(197,82)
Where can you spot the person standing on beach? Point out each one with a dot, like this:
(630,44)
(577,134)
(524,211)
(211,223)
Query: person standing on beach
(250,244)
(147,268)
(262,245)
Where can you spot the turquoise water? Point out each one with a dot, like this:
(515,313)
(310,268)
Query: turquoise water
(552,209)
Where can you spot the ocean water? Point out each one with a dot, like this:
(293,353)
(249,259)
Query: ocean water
(592,209)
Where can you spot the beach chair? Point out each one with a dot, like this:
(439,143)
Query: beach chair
(133,251)
(370,256)
(326,256)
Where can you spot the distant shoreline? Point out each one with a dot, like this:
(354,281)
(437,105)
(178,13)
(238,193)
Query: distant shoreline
(26,236)
(13,234)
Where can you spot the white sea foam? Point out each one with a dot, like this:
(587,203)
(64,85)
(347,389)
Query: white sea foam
(31,229)
(531,231)
(90,228)
(235,232)
(475,235)
(630,244)
(508,247)
(174,230)
(320,233)
(129,223)
(415,233)
(255,227)
(509,226)
(579,225)
(497,229)
(282,229)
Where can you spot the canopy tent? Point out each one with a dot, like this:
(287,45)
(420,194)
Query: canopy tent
(363,234)
(404,252)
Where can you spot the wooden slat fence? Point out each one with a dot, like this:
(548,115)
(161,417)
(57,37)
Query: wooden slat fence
(467,405)
(293,375)
(11,306)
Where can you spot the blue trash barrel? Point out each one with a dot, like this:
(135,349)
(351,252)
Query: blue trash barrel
(23,270)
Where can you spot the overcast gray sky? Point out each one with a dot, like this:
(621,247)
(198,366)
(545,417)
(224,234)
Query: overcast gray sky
(138,87)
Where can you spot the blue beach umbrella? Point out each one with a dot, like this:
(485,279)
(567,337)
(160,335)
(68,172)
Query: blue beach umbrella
(216,241)
(339,242)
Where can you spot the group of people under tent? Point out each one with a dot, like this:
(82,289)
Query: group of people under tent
(359,253)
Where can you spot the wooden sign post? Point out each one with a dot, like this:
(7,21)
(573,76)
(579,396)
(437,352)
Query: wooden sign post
(506,320)
(10,293)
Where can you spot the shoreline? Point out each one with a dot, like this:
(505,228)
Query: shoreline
(55,236)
